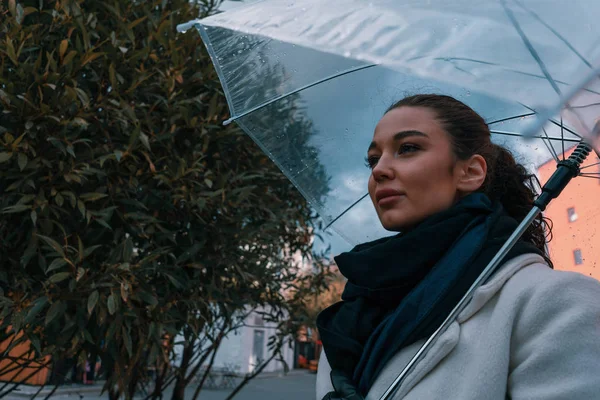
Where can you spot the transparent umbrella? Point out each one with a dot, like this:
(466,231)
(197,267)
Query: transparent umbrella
(308,81)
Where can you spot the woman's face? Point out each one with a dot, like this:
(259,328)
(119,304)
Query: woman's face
(414,172)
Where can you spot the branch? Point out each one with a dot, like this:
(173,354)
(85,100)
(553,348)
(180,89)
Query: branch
(205,375)
(251,376)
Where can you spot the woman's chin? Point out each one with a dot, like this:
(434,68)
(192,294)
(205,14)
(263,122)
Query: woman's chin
(392,226)
(397,223)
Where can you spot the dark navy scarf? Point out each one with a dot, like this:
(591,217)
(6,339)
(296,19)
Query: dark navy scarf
(401,288)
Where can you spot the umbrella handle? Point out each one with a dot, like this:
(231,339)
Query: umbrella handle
(565,171)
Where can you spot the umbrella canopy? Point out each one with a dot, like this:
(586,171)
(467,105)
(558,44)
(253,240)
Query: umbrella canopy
(308,81)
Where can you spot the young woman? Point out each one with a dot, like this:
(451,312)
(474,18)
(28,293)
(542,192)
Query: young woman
(530,332)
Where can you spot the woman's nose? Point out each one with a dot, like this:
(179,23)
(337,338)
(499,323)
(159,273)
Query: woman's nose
(383,169)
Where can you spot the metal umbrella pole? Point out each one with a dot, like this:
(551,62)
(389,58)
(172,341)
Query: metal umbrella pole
(565,171)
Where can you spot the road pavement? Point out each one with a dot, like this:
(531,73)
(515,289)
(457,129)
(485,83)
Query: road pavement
(298,385)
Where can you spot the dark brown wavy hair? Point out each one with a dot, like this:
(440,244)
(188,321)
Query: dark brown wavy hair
(507,181)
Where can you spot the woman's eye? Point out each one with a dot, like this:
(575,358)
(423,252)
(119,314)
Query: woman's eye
(371,161)
(408,148)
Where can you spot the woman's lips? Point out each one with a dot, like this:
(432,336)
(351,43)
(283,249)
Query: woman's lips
(387,196)
(389,200)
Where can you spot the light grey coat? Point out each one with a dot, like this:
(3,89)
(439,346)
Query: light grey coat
(529,333)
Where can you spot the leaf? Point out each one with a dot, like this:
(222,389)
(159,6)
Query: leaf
(124,292)
(92,301)
(20,14)
(54,244)
(148,298)
(81,207)
(29,10)
(61,276)
(112,76)
(22,161)
(54,311)
(145,141)
(56,264)
(38,305)
(88,58)
(90,250)
(4,157)
(127,250)
(16,209)
(63,48)
(33,216)
(127,340)
(29,253)
(59,200)
(80,274)
(136,22)
(104,224)
(80,248)
(69,58)
(175,282)
(12,7)
(18,140)
(10,51)
(85,101)
(111,304)
(93,196)
(208,183)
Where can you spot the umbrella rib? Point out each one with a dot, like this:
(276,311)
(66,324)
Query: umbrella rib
(345,211)
(591,165)
(555,32)
(530,47)
(565,128)
(534,137)
(550,147)
(511,118)
(562,135)
(586,106)
(283,96)
(555,123)
(451,59)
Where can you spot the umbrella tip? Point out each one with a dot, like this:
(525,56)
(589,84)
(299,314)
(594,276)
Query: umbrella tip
(183,28)
(228,121)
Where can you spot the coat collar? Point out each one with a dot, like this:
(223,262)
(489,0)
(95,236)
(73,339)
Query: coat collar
(496,282)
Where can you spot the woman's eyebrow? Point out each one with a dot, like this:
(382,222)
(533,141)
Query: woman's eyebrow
(401,135)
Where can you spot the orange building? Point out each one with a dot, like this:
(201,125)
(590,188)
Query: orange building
(10,372)
(575,214)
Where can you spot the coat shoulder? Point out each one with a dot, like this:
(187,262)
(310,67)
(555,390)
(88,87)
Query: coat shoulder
(538,279)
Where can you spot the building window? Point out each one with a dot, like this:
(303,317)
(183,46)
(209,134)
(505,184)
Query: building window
(258,321)
(578,257)
(572,214)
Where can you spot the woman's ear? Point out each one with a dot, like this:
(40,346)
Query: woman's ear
(472,174)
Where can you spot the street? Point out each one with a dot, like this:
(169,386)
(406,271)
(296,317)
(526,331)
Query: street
(295,386)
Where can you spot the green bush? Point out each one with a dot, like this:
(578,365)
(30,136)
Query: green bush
(128,212)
